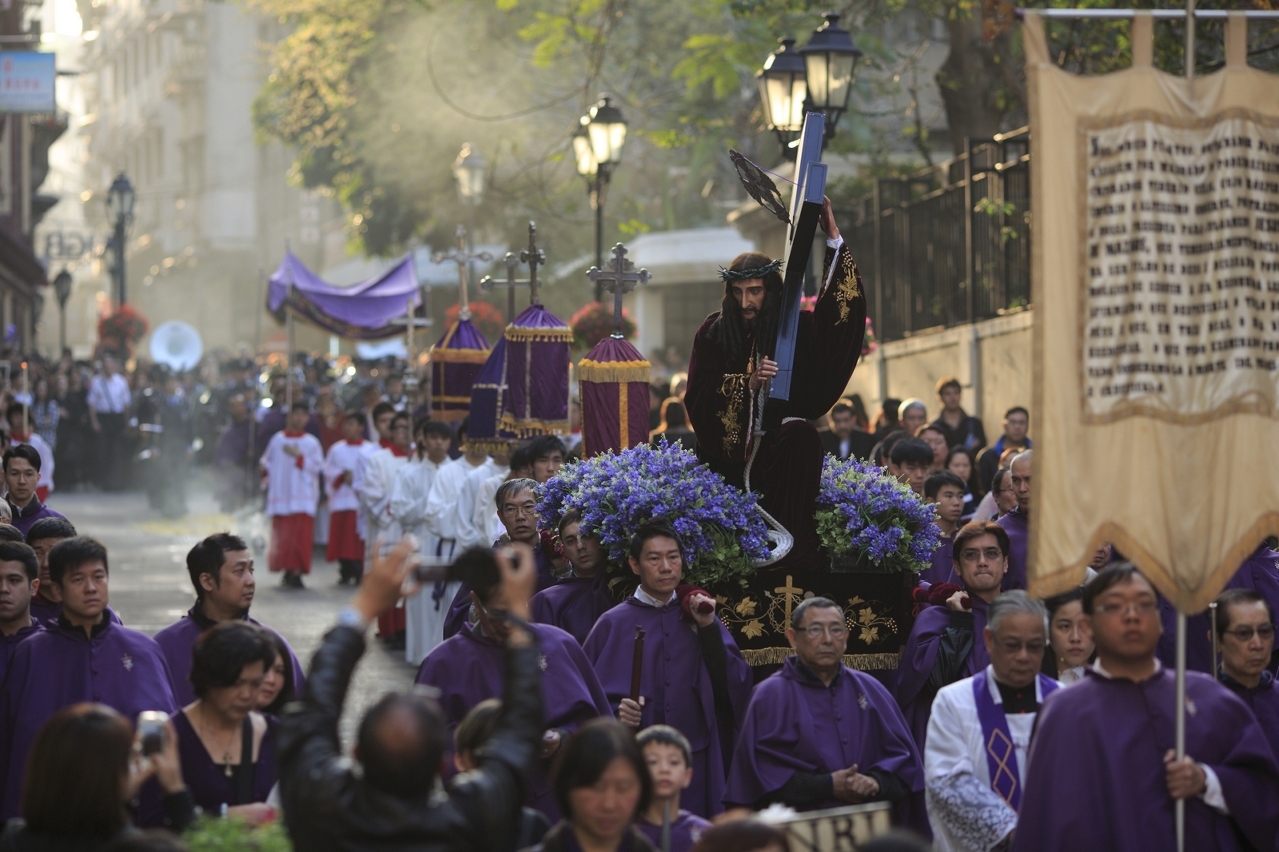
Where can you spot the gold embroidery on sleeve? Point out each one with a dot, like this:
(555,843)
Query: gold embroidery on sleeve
(849,286)
(734,390)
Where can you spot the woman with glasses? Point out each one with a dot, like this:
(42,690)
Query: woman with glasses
(1246,638)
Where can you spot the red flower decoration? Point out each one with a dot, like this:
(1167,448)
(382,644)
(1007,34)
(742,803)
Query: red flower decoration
(120,330)
(484,316)
(594,322)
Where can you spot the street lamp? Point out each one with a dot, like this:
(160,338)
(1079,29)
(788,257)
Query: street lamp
(468,171)
(120,200)
(830,60)
(597,148)
(62,289)
(783,87)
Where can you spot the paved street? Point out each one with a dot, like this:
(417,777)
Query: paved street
(150,588)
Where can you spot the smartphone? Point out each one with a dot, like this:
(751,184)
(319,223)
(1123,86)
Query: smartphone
(152,732)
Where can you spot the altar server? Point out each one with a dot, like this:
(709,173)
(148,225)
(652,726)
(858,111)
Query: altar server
(293,460)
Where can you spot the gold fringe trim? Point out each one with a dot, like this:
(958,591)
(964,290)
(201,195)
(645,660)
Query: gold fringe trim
(460,400)
(458,356)
(488,445)
(613,371)
(532,428)
(553,334)
(861,662)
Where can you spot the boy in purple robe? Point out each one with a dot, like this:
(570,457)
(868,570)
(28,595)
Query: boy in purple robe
(1246,637)
(84,656)
(576,602)
(819,734)
(945,490)
(945,644)
(1102,772)
(692,676)
(467,669)
(42,536)
(19,579)
(670,766)
(1017,522)
(21,467)
(221,570)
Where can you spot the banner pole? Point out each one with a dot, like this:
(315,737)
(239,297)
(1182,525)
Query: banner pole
(1180,735)
(1190,39)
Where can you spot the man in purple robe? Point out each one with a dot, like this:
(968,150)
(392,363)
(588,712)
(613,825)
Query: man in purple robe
(21,465)
(576,602)
(19,579)
(43,535)
(467,669)
(1246,636)
(945,644)
(221,570)
(1102,774)
(692,675)
(945,490)
(819,734)
(1017,522)
(84,656)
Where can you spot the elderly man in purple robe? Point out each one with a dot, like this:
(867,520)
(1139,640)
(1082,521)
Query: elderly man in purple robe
(980,731)
(1110,739)
(1017,522)
(467,669)
(221,570)
(43,535)
(1246,636)
(945,644)
(819,734)
(576,602)
(84,656)
(21,465)
(19,579)
(945,490)
(692,675)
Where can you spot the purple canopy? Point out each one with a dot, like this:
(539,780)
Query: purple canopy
(614,383)
(359,312)
(488,391)
(537,345)
(456,361)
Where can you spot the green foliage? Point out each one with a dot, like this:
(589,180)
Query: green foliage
(210,834)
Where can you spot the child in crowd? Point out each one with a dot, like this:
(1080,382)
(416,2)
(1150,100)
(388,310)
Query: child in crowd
(669,759)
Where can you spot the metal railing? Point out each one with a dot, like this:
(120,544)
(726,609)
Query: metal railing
(949,244)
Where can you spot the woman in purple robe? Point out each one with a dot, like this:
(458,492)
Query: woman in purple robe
(1246,636)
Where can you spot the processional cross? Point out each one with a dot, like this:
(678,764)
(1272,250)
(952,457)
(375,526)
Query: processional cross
(619,277)
(411,323)
(513,261)
(462,256)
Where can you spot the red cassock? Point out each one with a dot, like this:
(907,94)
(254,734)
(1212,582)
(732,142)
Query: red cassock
(787,469)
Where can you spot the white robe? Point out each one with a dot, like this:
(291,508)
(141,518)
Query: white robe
(443,505)
(374,478)
(345,457)
(291,489)
(965,813)
(485,517)
(409,493)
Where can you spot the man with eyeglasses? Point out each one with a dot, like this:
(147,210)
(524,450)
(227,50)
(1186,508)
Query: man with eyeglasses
(1103,775)
(980,729)
(945,643)
(1017,522)
(1246,636)
(819,734)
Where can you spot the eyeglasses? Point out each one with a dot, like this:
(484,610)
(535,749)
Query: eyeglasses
(973,554)
(1146,607)
(817,631)
(528,510)
(1012,646)
(1265,633)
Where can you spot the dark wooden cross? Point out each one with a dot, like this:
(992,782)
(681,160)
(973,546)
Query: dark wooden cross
(462,256)
(411,323)
(534,257)
(489,283)
(619,277)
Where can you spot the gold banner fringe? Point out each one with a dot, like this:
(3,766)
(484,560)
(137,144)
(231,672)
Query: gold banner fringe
(861,662)
(488,445)
(613,371)
(458,356)
(532,428)
(457,400)
(561,334)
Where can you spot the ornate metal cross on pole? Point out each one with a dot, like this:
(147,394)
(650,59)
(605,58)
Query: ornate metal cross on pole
(411,323)
(488,283)
(619,277)
(534,257)
(462,257)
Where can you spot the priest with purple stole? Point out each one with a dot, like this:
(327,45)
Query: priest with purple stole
(1102,774)
(221,570)
(19,579)
(84,656)
(577,601)
(468,668)
(692,676)
(980,732)
(1246,636)
(819,734)
(1017,522)
(945,644)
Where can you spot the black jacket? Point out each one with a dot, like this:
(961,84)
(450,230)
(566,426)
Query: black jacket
(328,806)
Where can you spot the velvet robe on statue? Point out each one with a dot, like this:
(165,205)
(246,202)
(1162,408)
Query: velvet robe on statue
(468,668)
(787,470)
(60,666)
(675,685)
(1096,778)
(915,687)
(797,724)
(573,604)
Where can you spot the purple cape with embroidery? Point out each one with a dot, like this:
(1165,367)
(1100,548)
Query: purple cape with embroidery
(943,564)
(1017,526)
(795,723)
(467,669)
(177,640)
(1096,778)
(675,684)
(686,828)
(573,604)
(60,666)
(914,694)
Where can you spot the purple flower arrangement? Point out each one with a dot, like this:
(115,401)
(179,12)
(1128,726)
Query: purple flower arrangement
(617,492)
(865,513)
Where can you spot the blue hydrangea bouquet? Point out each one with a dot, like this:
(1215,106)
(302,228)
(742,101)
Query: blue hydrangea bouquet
(617,492)
(871,521)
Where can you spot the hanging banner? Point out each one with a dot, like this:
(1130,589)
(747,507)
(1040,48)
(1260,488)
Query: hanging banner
(1156,293)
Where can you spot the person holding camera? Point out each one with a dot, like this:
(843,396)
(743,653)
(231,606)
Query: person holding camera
(389,805)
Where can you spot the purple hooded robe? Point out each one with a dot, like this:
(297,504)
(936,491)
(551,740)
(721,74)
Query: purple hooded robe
(942,569)
(1017,525)
(1095,778)
(573,604)
(915,691)
(1263,701)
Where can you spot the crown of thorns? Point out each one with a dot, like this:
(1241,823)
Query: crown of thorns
(753,272)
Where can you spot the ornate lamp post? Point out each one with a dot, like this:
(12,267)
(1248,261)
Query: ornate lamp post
(597,148)
(468,171)
(62,289)
(120,201)
(830,61)
(783,88)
